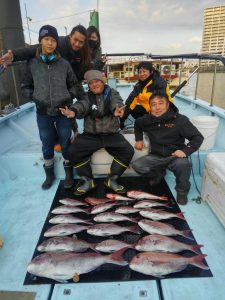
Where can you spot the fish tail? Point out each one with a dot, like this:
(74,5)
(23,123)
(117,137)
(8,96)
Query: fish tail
(186,233)
(134,220)
(180,216)
(195,248)
(117,257)
(164,198)
(87,210)
(134,229)
(197,261)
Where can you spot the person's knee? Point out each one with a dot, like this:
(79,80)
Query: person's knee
(182,163)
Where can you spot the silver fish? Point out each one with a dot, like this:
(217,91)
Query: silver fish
(62,219)
(154,227)
(102,207)
(68,265)
(112,217)
(158,214)
(139,195)
(110,246)
(64,229)
(126,210)
(161,243)
(159,264)
(72,202)
(67,209)
(110,229)
(149,204)
(118,197)
(64,244)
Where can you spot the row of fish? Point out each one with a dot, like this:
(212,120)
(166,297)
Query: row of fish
(64,259)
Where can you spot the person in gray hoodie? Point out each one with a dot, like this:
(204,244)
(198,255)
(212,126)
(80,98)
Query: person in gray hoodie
(101,111)
(51,83)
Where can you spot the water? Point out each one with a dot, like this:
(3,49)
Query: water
(205,88)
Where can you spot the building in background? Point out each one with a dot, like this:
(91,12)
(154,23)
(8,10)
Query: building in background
(213,40)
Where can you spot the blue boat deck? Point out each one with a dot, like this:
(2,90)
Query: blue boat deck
(24,208)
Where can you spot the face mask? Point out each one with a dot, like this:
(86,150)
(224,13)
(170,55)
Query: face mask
(92,43)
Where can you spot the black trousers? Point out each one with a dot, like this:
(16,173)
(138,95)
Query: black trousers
(152,165)
(86,144)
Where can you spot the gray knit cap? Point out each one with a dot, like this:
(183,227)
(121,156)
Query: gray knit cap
(93,75)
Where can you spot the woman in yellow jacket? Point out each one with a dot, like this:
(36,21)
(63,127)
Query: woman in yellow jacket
(137,103)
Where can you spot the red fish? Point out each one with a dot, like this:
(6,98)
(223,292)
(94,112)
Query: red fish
(96,201)
(118,197)
(139,195)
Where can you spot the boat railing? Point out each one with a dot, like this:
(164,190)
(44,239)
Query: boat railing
(206,84)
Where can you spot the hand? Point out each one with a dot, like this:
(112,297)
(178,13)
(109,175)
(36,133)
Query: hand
(67,112)
(139,145)
(119,111)
(179,153)
(6,59)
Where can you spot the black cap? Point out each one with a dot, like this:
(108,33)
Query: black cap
(48,30)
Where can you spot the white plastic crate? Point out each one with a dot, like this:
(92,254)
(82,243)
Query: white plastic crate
(213,185)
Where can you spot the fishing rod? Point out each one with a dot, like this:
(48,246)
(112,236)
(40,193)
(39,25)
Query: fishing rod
(183,83)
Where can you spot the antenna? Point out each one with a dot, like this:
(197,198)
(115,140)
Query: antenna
(28,20)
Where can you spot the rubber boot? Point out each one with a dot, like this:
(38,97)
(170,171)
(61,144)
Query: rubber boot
(110,182)
(86,182)
(84,185)
(68,181)
(182,198)
(50,176)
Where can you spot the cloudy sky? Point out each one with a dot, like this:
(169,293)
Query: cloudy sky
(157,27)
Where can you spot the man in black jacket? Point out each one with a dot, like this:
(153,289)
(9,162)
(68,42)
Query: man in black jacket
(167,131)
(101,112)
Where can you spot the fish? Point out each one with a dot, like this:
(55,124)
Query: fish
(67,209)
(96,201)
(113,217)
(154,227)
(126,210)
(118,197)
(158,214)
(62,219)
(149,204)
(139,195)
(161,243)
(102,207)
(64,244)
(110,229)
(160,264)
(69,265)
(72,202)
(111,245)
(64,229)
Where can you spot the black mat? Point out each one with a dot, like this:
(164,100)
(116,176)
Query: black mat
(109,272)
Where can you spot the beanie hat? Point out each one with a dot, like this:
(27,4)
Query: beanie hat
(147,65)
(48,30)
(93,74)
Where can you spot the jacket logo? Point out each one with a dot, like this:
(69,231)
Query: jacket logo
(94,107)
(169,125)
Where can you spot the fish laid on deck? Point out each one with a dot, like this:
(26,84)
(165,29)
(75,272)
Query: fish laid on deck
(159,264)
(65,244)
(64,266)
(67,209)
(139,195)
(154,227)
(113,217)
(112,245)
(72,202)
(149,203)
(110,229)
(62,219)
(118,197)
(161,243)
(96,201)
(102,207)
(64,230)
(126,210)
(158,214)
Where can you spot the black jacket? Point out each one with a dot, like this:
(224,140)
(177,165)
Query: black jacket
(50,85)
(65,50)
(96,59)
(168,132)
